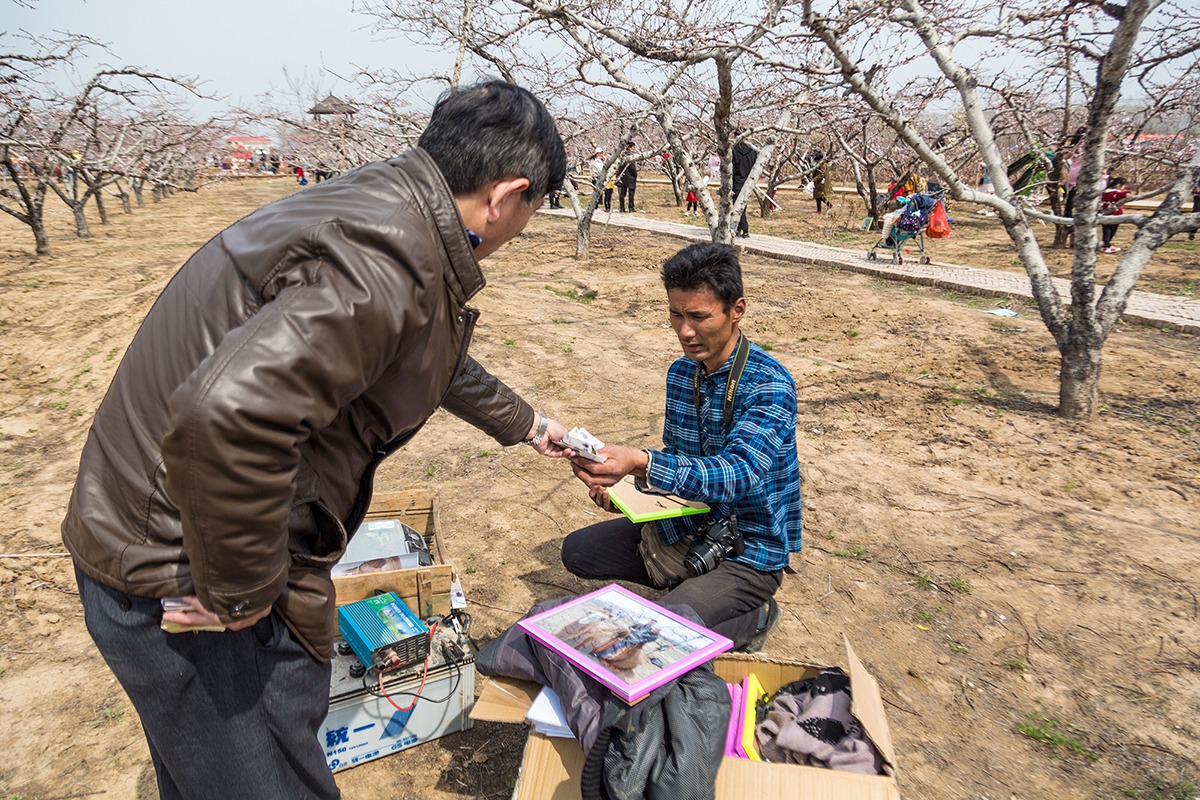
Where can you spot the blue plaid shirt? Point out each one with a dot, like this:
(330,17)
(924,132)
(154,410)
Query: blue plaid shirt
(755,474)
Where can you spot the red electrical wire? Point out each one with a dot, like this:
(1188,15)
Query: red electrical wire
(424,674)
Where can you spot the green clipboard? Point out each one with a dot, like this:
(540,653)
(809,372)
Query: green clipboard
(641,506)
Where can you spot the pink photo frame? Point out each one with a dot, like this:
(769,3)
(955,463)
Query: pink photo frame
(626,642)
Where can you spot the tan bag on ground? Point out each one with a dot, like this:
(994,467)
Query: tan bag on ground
(664,563)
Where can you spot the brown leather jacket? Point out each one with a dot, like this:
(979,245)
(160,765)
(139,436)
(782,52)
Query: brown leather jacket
(288,357)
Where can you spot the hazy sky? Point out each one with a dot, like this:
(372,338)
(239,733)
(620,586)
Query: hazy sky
(239,48)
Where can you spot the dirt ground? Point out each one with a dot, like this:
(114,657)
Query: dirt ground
(1023,588)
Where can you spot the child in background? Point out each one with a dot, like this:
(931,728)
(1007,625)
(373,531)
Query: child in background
(693,205)
(1110,206)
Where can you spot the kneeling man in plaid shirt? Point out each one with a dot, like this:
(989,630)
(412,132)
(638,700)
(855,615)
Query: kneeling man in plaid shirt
(734,450)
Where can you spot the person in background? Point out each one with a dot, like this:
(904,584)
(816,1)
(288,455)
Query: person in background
(599,184)
(627,182)
(236,448)
(1111,205)
(744,157)
(820,179)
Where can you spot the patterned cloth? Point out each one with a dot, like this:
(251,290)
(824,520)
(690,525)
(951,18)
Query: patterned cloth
(809,722)
(754,476)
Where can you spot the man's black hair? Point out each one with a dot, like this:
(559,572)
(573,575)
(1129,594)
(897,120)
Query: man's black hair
(491,131)
(705,264)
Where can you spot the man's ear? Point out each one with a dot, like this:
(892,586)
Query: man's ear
(738,309)
(499,191)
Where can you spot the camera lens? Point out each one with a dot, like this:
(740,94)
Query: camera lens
(702,556)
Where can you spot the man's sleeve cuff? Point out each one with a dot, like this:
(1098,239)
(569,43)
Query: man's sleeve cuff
(660,472)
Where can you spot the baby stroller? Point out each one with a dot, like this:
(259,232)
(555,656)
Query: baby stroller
(905,224)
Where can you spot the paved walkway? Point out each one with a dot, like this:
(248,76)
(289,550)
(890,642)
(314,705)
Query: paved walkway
(1158,310)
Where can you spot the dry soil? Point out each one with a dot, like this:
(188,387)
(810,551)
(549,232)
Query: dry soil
(1024,588)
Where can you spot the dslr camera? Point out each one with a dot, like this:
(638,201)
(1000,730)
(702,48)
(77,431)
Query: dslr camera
(712,544)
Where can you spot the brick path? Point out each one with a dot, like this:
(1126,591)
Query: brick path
(1160,311)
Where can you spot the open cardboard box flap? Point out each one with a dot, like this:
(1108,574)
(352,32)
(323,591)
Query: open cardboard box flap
(551,767)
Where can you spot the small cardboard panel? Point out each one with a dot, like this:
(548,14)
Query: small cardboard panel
(506,700)
(642,507)
(550,769)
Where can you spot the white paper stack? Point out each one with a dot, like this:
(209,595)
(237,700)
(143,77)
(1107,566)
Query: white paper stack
(583,443)
(547,717)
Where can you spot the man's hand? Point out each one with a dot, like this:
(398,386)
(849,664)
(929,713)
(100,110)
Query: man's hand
(600,497)
(198,616)
(619,462)
(555,431)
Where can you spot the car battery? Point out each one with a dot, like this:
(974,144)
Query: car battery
(363,725)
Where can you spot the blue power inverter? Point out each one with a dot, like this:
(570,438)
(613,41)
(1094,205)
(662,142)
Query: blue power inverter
(383,632)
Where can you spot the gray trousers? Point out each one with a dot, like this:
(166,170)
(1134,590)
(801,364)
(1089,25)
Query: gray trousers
(233,714)
(728,599)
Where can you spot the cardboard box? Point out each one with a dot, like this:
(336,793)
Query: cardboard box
(551,767)
(425,590)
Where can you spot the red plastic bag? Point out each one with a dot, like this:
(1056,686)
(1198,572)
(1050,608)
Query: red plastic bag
(939,223)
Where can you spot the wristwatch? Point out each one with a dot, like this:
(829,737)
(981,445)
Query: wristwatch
(543,423)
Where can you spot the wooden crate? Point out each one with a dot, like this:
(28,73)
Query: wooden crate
(425,590)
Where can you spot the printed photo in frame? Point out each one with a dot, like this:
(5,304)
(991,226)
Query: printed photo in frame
(628,643)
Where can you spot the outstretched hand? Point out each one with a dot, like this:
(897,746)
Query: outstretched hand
(619,461)
(548,446)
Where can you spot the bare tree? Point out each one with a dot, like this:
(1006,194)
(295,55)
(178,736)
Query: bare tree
(66,141)
(656,58)
(1146,41)
(25,78)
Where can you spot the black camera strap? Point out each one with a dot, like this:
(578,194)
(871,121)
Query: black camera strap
(731,385)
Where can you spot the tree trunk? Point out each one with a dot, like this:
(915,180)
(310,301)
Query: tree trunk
(123,194)
(81,225)
(873,209)
(1079,378)
(1062,233)
(39,236)
(101,210)
(137,193)
(583,218)
(583,236)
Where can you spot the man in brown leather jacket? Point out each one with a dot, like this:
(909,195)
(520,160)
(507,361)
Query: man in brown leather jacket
(237,444)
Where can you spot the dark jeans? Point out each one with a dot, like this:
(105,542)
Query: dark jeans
(728,599)
(626,191)
(1108,232)
(229,714)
